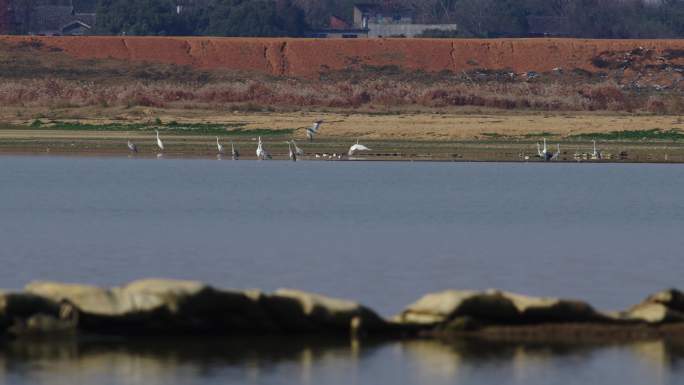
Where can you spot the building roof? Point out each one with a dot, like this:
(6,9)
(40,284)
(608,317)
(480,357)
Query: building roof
(337,22)
(51,19)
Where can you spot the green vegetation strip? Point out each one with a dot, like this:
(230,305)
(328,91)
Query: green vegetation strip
(652,134)
(230,129)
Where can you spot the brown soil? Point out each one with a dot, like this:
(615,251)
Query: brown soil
(310,57)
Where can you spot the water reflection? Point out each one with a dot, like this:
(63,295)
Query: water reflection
(313,360)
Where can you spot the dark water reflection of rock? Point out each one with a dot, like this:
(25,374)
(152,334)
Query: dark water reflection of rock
(336,361)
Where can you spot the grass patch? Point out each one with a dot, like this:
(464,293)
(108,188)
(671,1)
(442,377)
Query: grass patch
(537,134)
(219,129)
(652,134)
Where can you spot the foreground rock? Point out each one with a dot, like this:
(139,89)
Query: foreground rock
(462,310)
(170,307)
(662,307)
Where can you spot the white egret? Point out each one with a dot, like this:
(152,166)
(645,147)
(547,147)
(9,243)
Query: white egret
(557,154)
(160,144)
(596,154)
(132,147)
(234,152)
(219,146)
(357,147)
(545,154)
(313,130)
(292,154)
(261,152)
(297,150)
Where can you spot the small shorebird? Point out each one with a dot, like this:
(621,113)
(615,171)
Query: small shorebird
(160,144)
(313,130)
(261,152)
(357,147)
(219,146)
(292,154)
(132,147)
(234,152)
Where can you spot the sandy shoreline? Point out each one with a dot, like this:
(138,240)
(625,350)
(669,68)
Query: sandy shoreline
(471,136)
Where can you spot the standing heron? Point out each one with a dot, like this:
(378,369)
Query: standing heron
(313,130)
(219,146)
(132,147)
(596,154)
(261,152)
(357,147)
(160,144)
(547,155)
(233,152)
(297,150)
(291,153)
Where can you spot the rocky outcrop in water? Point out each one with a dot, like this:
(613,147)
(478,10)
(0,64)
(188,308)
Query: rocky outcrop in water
(662,307)
(185,307)
(496,307)
(169,307)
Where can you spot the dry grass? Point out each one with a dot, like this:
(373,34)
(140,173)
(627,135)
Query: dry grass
(367,95)
(473,124)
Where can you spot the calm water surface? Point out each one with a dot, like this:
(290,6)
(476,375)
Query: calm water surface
(381,233)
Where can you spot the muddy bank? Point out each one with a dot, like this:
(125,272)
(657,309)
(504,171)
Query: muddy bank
(158,307)
(373,75)
(309,57)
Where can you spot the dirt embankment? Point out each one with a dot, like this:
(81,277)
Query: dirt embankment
(310,57)
(348,74)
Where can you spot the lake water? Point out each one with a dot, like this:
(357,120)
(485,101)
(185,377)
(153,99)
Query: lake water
(382,233)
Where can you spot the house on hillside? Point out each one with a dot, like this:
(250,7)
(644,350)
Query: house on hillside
(60,20)
(376,20)
(51,17)
(337,22)
(366,14)
(339,29)
(384,21)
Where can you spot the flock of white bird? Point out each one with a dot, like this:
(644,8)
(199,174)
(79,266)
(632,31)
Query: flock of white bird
(294,151)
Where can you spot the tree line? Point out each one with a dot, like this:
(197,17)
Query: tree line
(216,17)
(475,18)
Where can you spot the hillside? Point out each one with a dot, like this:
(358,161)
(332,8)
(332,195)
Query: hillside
(537,74)
(310,57)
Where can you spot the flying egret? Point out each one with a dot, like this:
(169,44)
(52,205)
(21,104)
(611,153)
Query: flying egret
(261,152)
(313,130)
(357,147)
(297,150)
(233,152)
(292,154)
(132,147)
(219,146)
(160,144)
